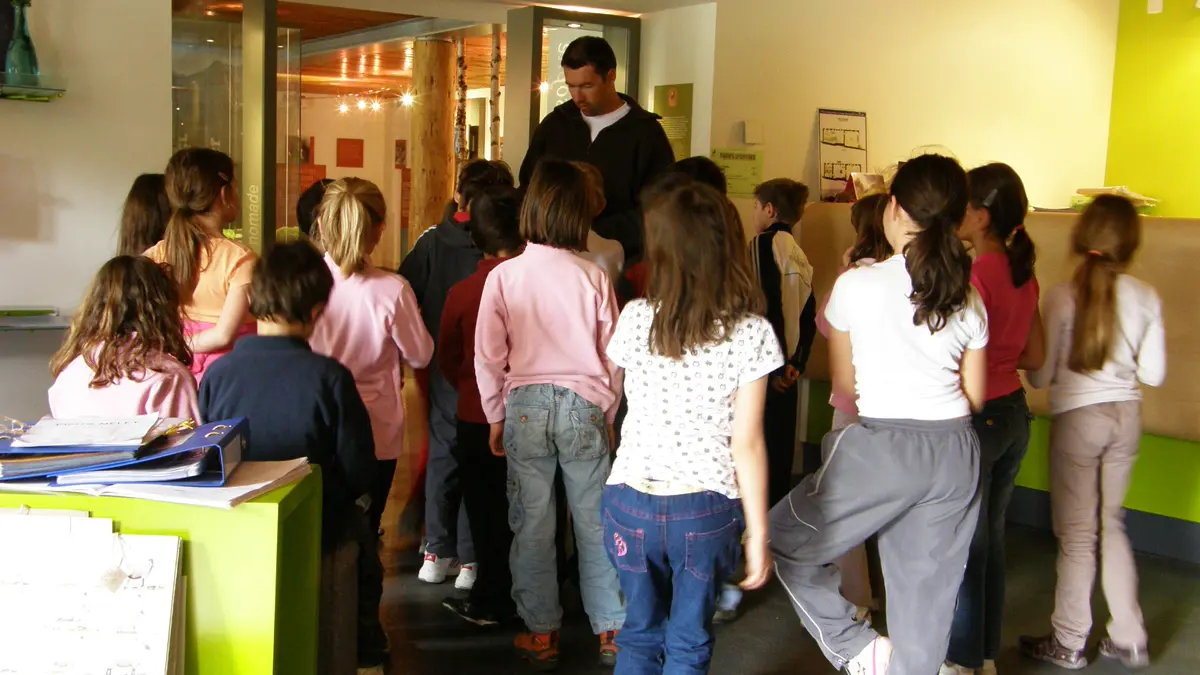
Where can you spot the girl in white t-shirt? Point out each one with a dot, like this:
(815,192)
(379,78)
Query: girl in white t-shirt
(1104,335)
(691,474)
(908,336)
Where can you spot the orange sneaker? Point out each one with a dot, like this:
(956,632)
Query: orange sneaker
(539,649)
(609,648)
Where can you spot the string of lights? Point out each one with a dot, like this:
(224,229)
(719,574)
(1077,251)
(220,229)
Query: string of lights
(373,100)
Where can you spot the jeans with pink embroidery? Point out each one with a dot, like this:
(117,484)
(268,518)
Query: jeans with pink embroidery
(671,554)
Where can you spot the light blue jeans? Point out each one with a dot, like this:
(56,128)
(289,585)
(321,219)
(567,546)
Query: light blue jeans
(547,427)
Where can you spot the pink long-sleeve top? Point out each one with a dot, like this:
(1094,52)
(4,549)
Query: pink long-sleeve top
(546,318)
(167,389)
(372,325)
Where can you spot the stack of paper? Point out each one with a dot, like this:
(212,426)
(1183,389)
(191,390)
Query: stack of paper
(90,432)
(249,481)
(89,600)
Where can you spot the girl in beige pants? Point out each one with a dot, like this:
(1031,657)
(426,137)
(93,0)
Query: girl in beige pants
(1104,336)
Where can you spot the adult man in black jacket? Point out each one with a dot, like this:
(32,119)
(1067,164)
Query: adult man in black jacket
(608,130)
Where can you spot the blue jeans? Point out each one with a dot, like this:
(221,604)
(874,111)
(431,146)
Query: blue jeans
(1003,430)
(672,554)
(547,427)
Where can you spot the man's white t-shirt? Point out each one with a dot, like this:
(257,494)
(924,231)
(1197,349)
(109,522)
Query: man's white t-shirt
(902,371)
(601,122)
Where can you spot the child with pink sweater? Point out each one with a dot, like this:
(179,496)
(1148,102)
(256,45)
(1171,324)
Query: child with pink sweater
(550,393)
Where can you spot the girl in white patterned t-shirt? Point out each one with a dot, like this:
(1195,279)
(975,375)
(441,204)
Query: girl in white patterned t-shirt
(690,475)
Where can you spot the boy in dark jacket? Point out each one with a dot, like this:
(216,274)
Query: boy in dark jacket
(302,404)
(786,279)
(496,232)
(441,257)
(609,131)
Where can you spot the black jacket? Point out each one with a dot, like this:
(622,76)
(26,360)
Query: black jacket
(300,404)
(442,256)
(629,154)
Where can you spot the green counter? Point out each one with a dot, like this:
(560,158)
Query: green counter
(253,573)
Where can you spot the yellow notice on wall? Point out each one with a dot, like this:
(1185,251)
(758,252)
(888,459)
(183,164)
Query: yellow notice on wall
(743,169)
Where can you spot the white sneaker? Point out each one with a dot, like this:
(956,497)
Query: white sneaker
(949,668)
(435,570)
(989,668)
(873,660)
(466,577)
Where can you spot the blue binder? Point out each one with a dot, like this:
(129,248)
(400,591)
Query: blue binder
(215,449)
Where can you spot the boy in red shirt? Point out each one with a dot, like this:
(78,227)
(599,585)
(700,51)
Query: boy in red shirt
(495,230)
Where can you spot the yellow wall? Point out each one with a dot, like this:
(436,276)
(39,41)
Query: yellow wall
(1154,138)
(1027,82)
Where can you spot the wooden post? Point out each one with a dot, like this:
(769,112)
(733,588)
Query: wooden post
(494,99)
(460,108)
(431,144)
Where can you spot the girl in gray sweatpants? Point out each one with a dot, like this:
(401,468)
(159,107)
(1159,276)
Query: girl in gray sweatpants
(908,336)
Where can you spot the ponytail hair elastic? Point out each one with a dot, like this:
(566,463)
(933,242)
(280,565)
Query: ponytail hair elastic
(1094,252)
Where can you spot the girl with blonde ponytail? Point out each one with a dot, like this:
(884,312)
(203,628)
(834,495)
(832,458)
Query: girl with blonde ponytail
(372,323)
(212,273)
(1104,335)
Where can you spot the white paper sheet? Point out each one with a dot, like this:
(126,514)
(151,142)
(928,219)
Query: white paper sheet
(89,604)
(98,431)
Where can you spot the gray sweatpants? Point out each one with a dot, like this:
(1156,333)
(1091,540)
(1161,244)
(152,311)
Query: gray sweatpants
(914,483)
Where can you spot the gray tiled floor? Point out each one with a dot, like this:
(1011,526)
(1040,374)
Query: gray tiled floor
(769,640)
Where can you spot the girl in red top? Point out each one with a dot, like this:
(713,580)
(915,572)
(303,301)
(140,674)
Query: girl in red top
(1002,273)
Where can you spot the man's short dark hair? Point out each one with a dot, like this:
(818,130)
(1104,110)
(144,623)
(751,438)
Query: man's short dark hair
(786,195)
(290,281)
(306,206)
(478,174)
(496,220)
(590,51)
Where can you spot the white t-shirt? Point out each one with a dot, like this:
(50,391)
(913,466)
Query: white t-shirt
(1139,352)
(902,371)
(680,418)
(601,122)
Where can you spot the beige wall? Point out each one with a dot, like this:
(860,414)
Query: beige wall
(1027,82)
(677,48)
(66,166)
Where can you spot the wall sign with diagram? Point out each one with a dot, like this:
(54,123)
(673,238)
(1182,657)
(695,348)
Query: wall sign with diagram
(843,142)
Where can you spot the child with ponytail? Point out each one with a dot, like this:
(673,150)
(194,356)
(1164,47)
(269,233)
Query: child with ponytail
(1002,273)
(908,336)
(372,324)
(211,272)
(1104,335)
(125,354)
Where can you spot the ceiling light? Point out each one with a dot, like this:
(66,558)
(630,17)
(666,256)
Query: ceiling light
(343,108)
(407,99)
(574,25)
(362,105)
(210,41)
(376,106)
(544,87)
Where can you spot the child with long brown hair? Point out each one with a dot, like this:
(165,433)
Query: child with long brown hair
(144,215)
(372,324)
(908,336)
(211,272)
(550,393)
(1104,335)
(125,354)
(691,473)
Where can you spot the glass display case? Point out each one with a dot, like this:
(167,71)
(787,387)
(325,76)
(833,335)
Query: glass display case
(206,65)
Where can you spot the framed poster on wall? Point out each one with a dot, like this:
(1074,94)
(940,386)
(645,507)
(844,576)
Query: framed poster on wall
(843,148)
